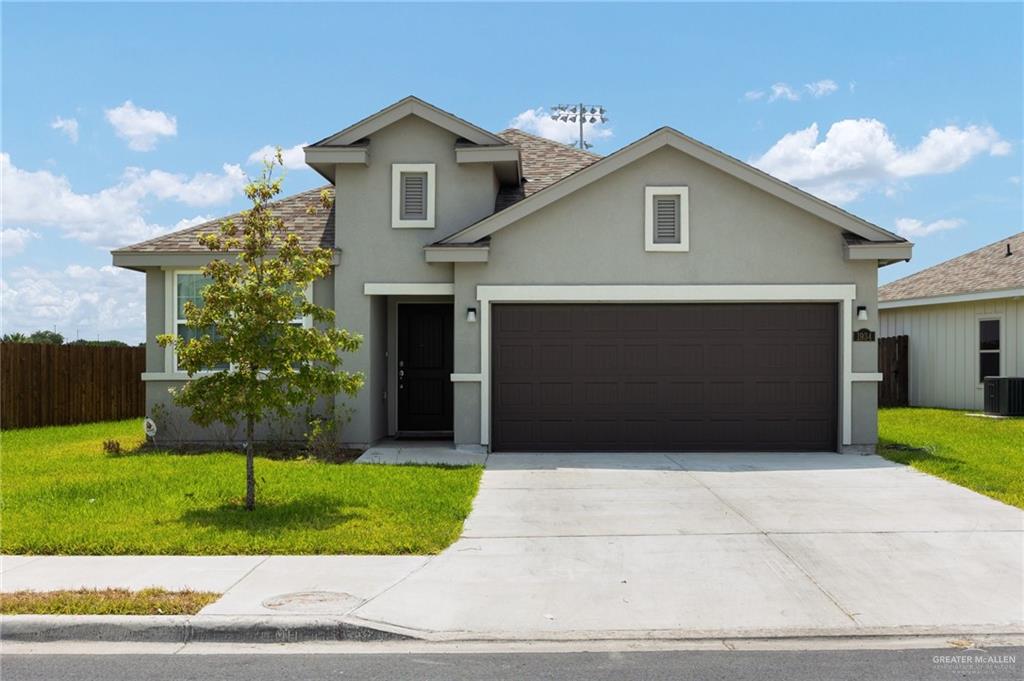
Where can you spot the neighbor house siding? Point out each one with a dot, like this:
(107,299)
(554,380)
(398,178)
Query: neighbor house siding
(943,343)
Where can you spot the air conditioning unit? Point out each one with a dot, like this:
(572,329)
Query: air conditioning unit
(1004,395)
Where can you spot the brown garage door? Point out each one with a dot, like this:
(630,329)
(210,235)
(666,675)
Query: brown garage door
(665,377)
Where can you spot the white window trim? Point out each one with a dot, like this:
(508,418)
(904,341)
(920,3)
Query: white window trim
(986,317)
(684,219)
(396,195)
(171,320)
(843,294)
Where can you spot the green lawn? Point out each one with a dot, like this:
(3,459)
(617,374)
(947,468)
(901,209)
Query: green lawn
(63,495)
(105,602)
(986,455)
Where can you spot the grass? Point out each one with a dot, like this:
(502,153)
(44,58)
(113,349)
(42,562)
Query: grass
(105,602)
(985,455)
(63,495)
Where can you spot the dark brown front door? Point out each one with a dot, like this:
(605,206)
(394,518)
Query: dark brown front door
(665,377)
(424,368)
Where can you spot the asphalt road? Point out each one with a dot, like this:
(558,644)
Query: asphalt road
(852,665)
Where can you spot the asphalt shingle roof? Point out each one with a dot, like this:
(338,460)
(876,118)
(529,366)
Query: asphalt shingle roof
(544,162)
(314,231)
(987,269)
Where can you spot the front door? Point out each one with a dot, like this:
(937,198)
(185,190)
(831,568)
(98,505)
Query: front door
(424,368)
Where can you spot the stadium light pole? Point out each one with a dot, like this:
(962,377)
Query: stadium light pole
(582,113)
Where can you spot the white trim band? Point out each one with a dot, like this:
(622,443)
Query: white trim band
(466,378)
(412,289)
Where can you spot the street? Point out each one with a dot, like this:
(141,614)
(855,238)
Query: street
(815,665)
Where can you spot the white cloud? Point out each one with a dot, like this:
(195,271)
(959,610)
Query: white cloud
(1014,179)
(202,189)
(821,88)
(68,126)
(113,216)
(911,228)
(858,155)
(294,157)
(107,301)
(539,122)
(13,240)
(783,91)
(141,128)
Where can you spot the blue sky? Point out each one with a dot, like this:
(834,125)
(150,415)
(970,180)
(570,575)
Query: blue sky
(124,121)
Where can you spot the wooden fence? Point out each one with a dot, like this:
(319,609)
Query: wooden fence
(53,385)
(893,362)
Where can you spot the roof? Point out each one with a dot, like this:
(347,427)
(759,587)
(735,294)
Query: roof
(658,139)
(314,231)
(544,162)
(404,107)
(987,269)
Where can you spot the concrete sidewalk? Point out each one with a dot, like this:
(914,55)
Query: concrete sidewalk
(640,546)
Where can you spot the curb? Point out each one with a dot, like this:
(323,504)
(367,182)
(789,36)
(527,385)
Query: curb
(188,629)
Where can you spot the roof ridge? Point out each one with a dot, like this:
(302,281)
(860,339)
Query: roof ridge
(950,260)
(550,141)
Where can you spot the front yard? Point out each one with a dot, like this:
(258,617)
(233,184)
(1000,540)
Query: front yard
(63,495)
(982,454)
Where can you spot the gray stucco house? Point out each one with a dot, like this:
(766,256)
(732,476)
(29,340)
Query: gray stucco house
(964,320)
(517,294)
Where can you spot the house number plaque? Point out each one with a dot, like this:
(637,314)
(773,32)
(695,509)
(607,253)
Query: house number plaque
(864,335)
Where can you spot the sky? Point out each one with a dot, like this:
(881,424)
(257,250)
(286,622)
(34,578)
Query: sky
(122,122)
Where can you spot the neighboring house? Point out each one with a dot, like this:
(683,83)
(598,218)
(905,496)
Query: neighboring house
(964,319)
(519,294)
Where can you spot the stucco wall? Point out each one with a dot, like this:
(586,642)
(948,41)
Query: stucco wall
(372,251)
(173,422)
(943,345)
(738,235)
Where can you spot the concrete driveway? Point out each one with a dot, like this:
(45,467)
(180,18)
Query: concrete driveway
(802,544)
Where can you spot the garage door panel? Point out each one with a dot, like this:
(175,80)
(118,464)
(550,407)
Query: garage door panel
(664,377)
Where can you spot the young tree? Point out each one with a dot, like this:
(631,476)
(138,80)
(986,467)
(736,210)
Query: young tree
(272,366)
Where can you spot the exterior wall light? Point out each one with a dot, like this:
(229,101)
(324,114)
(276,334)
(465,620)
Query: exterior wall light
(862,313)
(471,315)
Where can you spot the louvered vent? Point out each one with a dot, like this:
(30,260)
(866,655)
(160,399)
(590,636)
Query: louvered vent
(414,196)
(666,219)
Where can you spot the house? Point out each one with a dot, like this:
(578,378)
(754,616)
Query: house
(964,320)
(519,294)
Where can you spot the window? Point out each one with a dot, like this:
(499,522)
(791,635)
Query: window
(412,195)
(666,218)
(188,288)
(988,348)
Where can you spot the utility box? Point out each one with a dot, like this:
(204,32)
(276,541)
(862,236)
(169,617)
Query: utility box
(1004,395)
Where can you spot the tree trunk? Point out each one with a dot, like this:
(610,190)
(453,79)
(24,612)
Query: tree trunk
(250,474)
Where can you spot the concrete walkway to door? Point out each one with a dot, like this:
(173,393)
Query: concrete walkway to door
(720,544)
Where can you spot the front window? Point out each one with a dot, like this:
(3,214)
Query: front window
(188,288)
(988,348)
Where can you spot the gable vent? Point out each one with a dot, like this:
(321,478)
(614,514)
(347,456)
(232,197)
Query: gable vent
(666,219)
(414,196)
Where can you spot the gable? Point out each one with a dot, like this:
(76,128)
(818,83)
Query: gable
(409,106)
(736,234)
(672,138)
